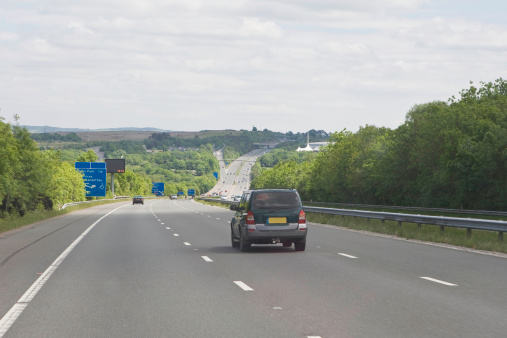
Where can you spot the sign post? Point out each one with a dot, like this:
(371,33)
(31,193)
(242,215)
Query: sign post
(115,165)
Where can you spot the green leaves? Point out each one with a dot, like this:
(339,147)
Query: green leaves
(449,155)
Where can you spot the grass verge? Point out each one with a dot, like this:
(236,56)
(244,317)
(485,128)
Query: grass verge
(480,239)
(15,222)
(213,203)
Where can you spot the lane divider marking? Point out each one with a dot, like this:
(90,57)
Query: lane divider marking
(176,235)
(13,314)
(186,243)
(243,286)
(345,255)
(207,259)
(439,281)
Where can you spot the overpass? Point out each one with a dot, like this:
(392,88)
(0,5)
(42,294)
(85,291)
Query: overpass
(265,145)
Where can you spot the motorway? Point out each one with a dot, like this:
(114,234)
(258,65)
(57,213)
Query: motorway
(235,177)
(167,269)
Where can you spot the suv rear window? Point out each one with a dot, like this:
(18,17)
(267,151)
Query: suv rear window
(275,200)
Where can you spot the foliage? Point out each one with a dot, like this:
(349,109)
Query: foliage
(281,155)
(88,156)
(288,175)
(448,155)
(32,180)
(178,170)
(70,137)
(234,143)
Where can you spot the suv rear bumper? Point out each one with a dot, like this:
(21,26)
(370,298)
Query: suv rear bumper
(267,236)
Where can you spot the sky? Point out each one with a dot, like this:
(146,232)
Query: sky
(282,65)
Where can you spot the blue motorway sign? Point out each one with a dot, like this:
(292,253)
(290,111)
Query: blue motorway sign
(216,175)
(94,176)
(158,188)
(191,192)
(180,193)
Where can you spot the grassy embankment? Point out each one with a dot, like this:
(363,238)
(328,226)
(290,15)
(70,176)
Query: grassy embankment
(480,240)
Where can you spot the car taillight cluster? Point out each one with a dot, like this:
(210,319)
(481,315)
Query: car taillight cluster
(302,221)
(250,218)
(302,217)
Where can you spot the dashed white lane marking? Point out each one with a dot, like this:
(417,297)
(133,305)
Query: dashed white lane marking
(207,259)
(168,228)
(176,235)
(186,243)
(439,281)
(345,255)
(13,314)
(218,219)
(162,223)
(243,286)
(313,337)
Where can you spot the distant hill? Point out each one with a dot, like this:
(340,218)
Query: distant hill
(48,129)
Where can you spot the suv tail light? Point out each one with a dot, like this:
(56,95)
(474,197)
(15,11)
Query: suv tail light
(302,220)
(302,217)
(250,218)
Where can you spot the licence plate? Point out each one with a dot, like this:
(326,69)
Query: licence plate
(272,220)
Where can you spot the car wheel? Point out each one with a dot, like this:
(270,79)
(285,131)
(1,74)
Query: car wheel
(300,246)
(244,245)
(287,244)
(234,242)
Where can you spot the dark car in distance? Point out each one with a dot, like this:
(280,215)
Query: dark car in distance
(137,199)
(269,216)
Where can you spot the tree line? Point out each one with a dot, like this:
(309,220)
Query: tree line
(31,179)
(446,154)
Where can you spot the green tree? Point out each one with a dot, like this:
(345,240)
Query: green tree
(88,156)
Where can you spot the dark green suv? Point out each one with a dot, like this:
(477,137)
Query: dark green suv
(269,216)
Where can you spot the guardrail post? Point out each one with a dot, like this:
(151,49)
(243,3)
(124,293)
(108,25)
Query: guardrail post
(399,223)
(441,229)
(419,226)
(469,233)
(500,236)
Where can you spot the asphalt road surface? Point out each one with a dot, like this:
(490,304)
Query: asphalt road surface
(167,269)
(235,177)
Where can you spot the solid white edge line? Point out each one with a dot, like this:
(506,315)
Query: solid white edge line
(439,281)
(243,285)
(13,314)
(207,259)
(345,255)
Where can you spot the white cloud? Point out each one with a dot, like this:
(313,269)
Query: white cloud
(328,64)
(6,36)
(254,27)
